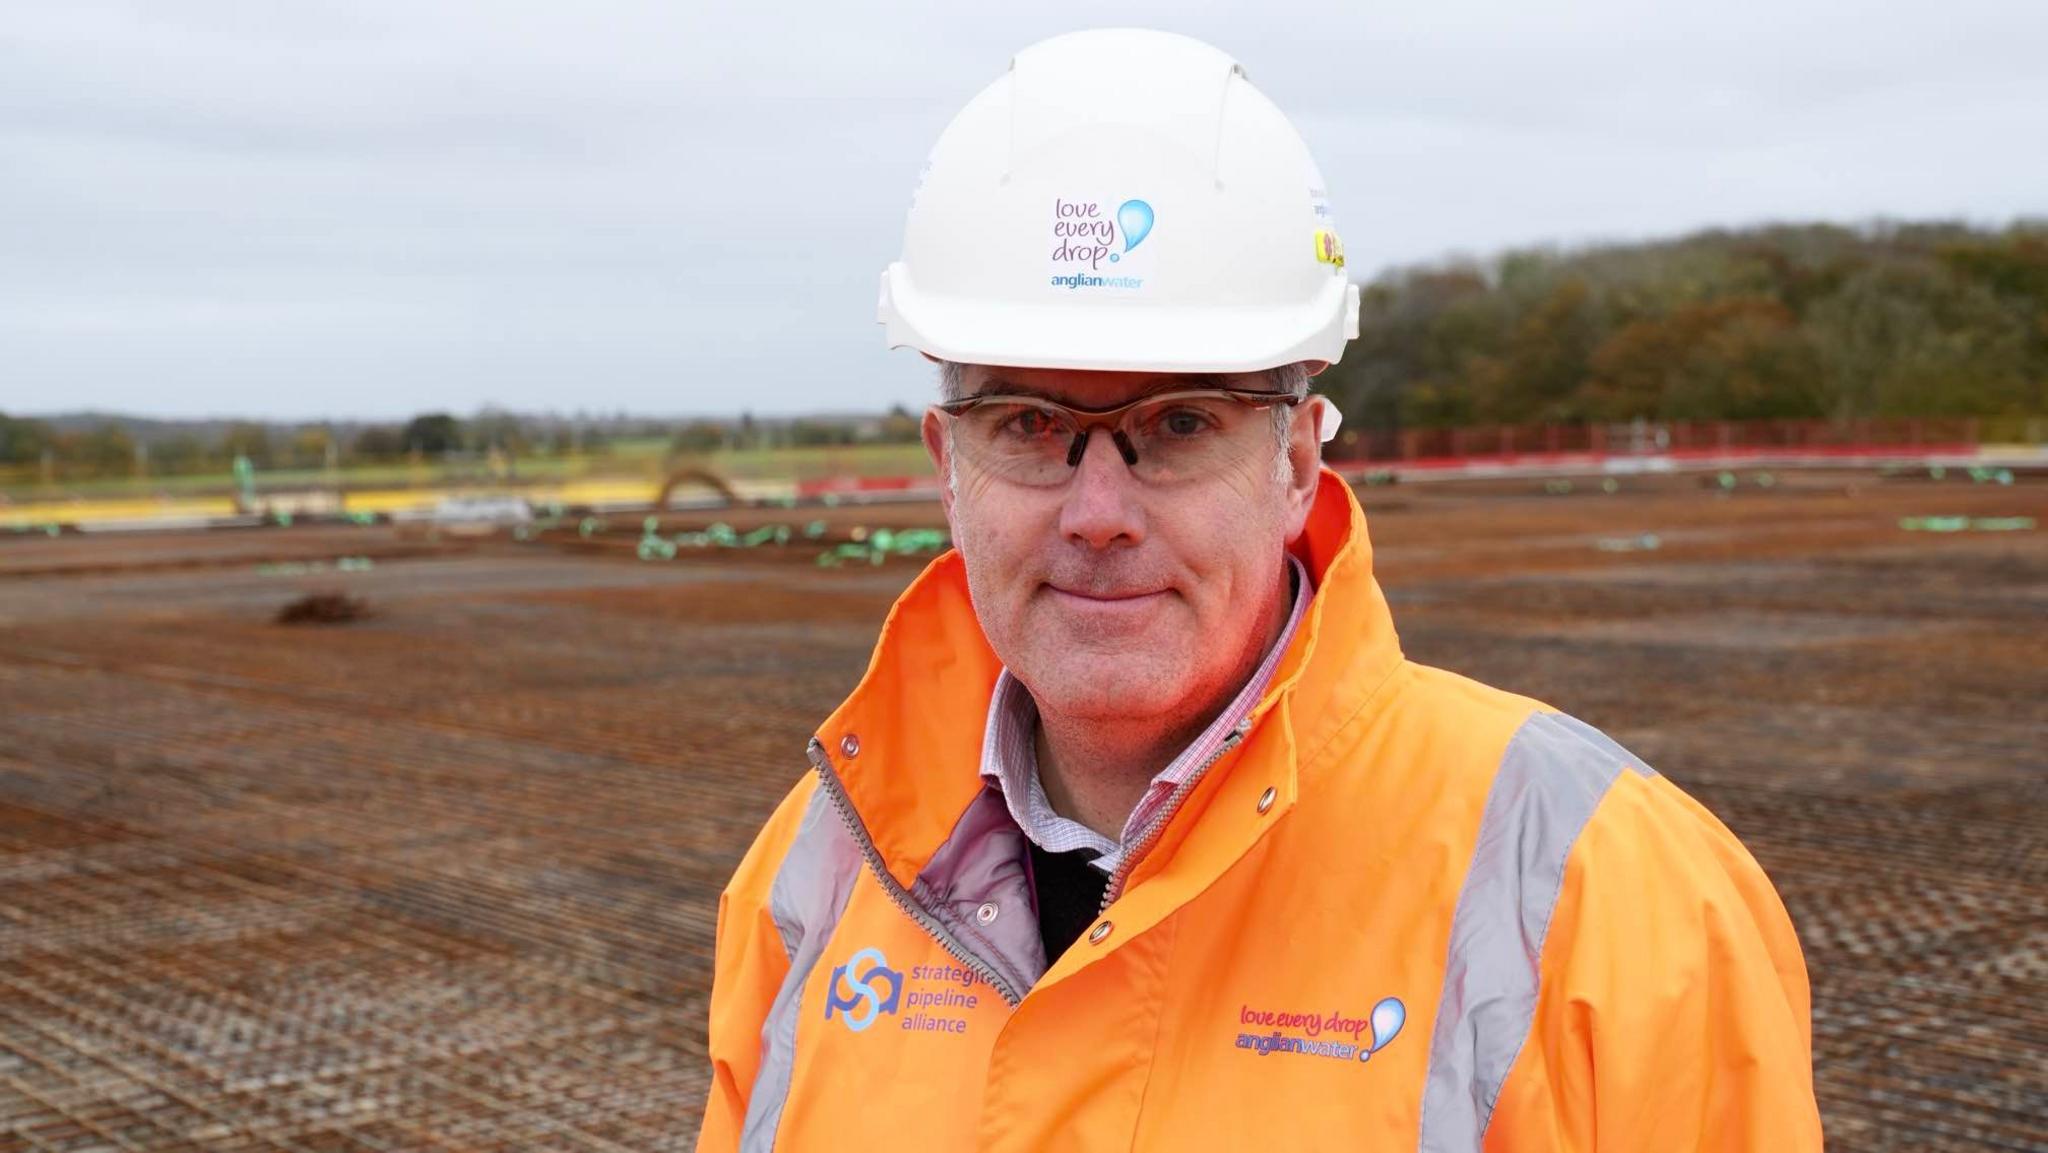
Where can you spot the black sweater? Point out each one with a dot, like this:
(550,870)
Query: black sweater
(1068,888)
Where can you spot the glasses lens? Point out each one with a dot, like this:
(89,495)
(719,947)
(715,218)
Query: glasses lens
(1017,441)
(1180,438)
(1174,437)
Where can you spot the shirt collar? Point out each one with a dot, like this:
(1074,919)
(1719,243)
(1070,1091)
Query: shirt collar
(1009,755)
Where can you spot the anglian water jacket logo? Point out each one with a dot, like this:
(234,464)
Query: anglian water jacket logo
(859,1008)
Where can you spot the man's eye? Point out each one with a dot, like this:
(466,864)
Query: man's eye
(1029,424)
(1184,422)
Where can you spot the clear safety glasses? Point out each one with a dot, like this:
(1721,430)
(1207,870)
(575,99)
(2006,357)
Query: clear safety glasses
(1165,438)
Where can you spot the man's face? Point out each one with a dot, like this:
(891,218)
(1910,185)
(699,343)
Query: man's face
(1109,598)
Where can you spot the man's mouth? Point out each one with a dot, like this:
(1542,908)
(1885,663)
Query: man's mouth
(1107,596)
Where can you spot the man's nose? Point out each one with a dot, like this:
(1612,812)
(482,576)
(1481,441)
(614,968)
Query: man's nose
(1101,507)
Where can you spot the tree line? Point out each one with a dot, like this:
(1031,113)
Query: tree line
(1812,322)
(1809,322)
(114,446)
(83,447)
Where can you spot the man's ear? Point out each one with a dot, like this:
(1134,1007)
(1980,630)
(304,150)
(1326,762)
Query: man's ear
(933,429)
(1305,454)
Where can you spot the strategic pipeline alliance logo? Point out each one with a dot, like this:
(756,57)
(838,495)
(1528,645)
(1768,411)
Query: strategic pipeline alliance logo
(864,997)
(1089,237)
(934,999)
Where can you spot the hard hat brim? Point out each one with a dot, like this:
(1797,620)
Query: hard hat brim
(1118,336)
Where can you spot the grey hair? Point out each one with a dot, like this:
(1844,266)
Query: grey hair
(1291,379)
(952,381)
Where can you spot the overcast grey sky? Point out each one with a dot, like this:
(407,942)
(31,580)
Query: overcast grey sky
(366,208)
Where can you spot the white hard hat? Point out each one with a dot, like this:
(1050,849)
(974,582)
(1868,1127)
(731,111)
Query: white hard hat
(1122,199)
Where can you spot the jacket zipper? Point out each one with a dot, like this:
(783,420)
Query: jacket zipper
(829,778)
(1157,822)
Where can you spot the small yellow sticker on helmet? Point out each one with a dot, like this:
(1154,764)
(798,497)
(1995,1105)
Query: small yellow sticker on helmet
(1329,249)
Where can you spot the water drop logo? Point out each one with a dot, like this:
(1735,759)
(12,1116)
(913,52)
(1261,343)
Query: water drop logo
(1134,220)
(1092,239)
(1387,1018)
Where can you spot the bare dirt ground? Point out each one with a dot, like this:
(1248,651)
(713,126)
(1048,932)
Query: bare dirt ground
(444,877)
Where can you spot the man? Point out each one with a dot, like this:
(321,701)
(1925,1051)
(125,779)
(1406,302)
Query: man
(1140,833)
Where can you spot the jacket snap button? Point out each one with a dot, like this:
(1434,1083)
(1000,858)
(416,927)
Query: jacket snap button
(987,913)
(1099,933)
(1266,798)
(850,745)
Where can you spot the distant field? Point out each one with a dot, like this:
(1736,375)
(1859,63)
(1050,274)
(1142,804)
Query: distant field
(625,459)
(860,460)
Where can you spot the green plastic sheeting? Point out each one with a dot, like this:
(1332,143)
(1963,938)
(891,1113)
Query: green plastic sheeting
(301,568)
(1967,524)
(866,546)
(1987,475)
(874,547)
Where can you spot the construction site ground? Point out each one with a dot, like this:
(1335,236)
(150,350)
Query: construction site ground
(444,877)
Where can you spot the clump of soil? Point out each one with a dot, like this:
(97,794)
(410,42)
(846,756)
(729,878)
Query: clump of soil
(328,608)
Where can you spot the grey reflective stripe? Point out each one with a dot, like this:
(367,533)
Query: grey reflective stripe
(1551,778)
(805,902)
(1603,743)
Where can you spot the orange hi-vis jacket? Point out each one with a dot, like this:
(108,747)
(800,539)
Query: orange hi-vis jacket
(1400,911)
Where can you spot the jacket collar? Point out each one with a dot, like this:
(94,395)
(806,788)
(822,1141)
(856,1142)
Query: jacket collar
(906,744)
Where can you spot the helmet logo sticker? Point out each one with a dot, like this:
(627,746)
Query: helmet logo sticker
(1096,243)
(1135,217)
(1329,249)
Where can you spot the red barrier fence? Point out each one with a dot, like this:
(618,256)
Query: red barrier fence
(1566,448)
(865,485)
(1681,439)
